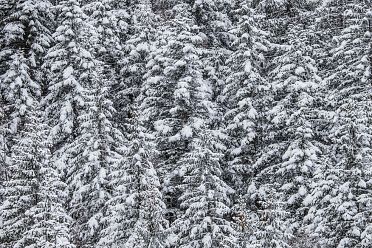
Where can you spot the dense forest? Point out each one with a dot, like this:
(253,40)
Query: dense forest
(185,123)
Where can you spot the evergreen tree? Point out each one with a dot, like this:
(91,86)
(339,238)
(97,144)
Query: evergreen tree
(137,48)
(85,141)
(66,63)
(257,211)
(165,111)
(296,88)
(204,198)
(110,20)
(25,36)
(262,218)
(92,155)
(32,213)
(4,153)
(340,200)
(134,216)
(244,97)
(212,19)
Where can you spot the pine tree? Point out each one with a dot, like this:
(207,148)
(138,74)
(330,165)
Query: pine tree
(212,19)
(32,213)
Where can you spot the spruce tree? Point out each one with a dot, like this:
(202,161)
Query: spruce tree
(84,140)
(262,218)
(92,155)
(296,87)
(4,153)
(339,200)
(25,37)
(244,95)
(32,213)
(134,216)
(138,45)
(164,111)
(204,199)
(66,63)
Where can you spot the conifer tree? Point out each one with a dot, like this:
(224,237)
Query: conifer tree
(340,196)
(257,210)
(137,48)
(85,141)
(92,155)
(296,87)
(262,218)
(135,215)
(110,19)
(204,199)
(4,154)
(25,36)
(243,96)
(66,63)
(164,100)
(32,213)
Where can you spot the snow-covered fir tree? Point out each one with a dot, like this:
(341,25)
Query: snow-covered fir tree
(33,213)
(134,216)
(164,110)
(340,200)
(110,20)
(66,63)
(91,158)
(296,87)
(136,50)
(25,37)
(243,95)
(25,34)
(204,199)
(85,141)
(4,154)
(262,218)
